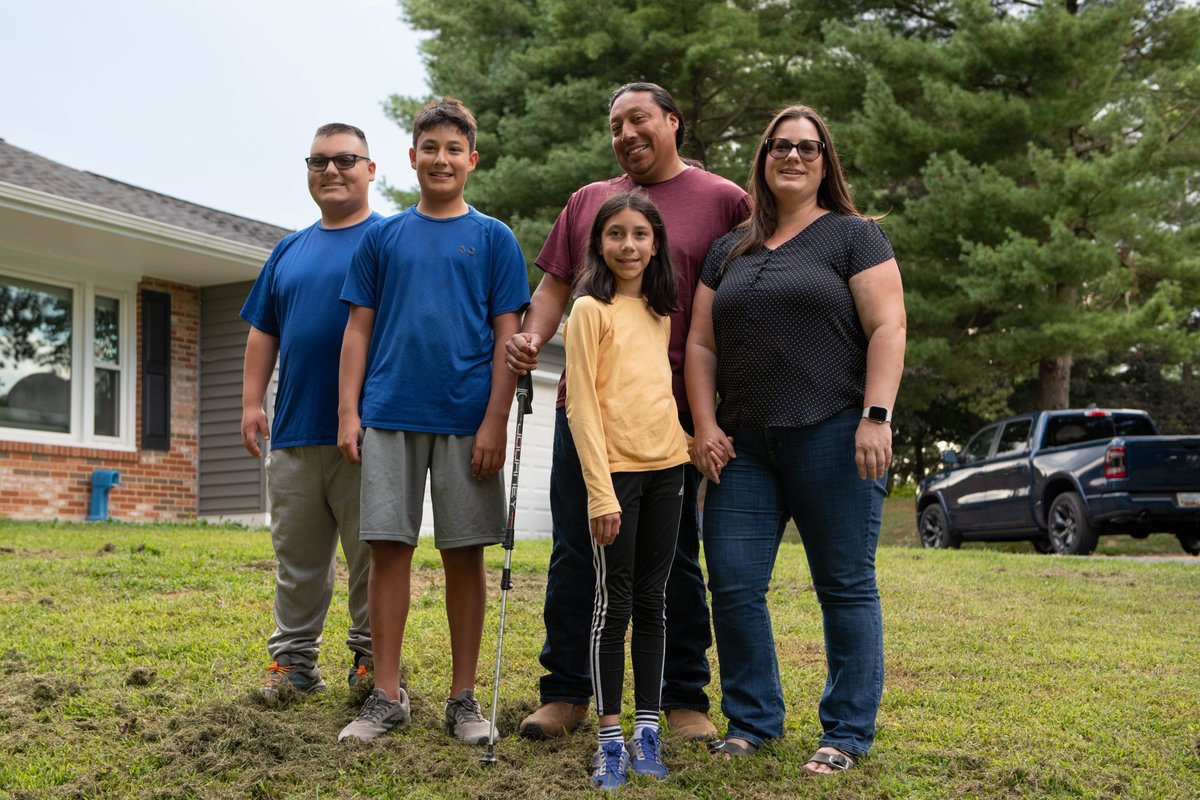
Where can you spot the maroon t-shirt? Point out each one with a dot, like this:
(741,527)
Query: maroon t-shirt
(697,207)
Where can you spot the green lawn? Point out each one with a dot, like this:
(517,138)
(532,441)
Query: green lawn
(129,655)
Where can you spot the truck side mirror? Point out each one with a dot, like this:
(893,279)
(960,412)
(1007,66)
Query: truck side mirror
(950,458)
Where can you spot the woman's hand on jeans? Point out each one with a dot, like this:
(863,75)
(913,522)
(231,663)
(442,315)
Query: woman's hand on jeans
(872,449)
(605,528)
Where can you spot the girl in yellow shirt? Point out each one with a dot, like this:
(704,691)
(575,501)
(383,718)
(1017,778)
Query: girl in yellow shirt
(625,424)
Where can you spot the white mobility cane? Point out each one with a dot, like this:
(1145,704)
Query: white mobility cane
(524,406)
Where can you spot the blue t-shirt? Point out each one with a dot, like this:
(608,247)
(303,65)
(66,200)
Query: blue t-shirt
(294,300)
(435,285)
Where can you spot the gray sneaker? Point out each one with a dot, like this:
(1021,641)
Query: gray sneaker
(284,675)
(377,716)
(465,720)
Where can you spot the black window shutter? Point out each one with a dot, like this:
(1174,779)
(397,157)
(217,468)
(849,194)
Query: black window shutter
(156,370)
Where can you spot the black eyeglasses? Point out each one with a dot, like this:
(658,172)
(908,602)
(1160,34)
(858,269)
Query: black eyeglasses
(343,161)
(808,149)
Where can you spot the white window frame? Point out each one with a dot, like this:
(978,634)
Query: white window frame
(83,365)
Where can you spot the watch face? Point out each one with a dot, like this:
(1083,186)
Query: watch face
(877,414)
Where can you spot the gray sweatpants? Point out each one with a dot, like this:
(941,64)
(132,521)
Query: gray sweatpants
(314,496)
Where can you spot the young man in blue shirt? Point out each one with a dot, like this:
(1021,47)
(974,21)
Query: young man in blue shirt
(434,294)
(295,316)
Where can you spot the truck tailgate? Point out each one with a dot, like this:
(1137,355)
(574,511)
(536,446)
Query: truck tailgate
(1163,463)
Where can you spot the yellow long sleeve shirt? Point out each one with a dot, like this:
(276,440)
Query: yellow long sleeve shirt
(622,414)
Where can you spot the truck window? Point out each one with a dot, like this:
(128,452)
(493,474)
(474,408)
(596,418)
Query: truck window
(1014,438)
(1065,429)
(979,447)
(1134,425)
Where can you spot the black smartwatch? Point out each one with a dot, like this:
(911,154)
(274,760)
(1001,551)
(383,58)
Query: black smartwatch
(877,414)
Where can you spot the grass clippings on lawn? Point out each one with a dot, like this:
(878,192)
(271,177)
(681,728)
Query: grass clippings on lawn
(129,657)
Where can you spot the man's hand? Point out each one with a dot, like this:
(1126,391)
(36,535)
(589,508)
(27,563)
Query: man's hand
(487,453)
(254,425)
(605,528)
(521,351)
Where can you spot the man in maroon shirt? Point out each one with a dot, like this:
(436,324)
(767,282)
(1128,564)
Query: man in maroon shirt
(697,207)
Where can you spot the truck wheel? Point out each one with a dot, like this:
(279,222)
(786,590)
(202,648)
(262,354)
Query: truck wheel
(935,529)
(1070,532)
(1190,542)
(1042,544)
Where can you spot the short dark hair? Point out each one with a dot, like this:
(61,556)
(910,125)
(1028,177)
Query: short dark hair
(334,128)
(659,285)
(446,111)
(663,99)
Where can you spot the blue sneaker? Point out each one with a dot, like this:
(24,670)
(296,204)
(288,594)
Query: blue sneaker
(610,766)
(646,756)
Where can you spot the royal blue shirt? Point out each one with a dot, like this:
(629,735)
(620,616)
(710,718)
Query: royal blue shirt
(435,285)
(295,300)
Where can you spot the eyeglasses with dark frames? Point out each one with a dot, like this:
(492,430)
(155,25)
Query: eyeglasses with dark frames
(343,161)
(807,149)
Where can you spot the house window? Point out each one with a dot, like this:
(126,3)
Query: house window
(63,362)
(107,416)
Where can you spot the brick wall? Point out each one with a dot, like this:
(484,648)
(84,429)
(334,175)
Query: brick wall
(54,481)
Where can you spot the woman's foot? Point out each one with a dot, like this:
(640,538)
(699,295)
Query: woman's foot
(827,761)
(732,748)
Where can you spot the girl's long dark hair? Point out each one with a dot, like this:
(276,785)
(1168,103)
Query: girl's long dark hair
(595,279)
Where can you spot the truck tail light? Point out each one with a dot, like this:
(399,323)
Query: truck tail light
(1114,463)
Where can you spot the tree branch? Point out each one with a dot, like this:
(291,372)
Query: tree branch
(1186,123)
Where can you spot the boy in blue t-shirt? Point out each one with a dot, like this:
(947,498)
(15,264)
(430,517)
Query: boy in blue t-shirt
(434,294)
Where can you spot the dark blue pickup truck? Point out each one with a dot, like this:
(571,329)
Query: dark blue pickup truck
(1062,478)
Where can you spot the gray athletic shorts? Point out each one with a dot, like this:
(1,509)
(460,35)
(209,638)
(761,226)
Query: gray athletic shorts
(466,511)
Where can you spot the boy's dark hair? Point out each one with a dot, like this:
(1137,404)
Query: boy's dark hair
(446,111)
(334,128)
(659,285)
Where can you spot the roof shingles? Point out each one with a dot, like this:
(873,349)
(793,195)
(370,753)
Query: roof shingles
(23,168)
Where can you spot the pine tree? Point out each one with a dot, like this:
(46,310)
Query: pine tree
(1040,161)
(538,74)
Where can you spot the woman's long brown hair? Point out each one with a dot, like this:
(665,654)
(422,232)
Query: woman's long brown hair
(832,195)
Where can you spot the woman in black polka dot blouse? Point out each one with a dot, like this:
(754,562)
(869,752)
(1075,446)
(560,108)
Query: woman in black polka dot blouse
(798,326)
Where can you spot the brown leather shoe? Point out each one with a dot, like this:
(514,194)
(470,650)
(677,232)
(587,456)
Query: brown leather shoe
(552,720)
(687,723)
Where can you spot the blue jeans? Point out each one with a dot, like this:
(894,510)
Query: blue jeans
(570,592)
(807,474)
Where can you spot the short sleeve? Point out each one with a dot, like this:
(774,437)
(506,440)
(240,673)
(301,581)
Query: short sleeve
(711,272)
(868,246)
(259,309)
(559,255)
(360,286)
(510,280)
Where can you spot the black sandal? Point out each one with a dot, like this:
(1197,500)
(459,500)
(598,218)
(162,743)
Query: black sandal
(839,761)
(728,749)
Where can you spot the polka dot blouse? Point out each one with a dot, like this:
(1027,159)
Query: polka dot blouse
(790,348)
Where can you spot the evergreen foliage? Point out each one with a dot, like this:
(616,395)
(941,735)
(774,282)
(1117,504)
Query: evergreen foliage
(1040,162)
(1037,163)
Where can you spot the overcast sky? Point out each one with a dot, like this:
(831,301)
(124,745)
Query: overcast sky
(210,101)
